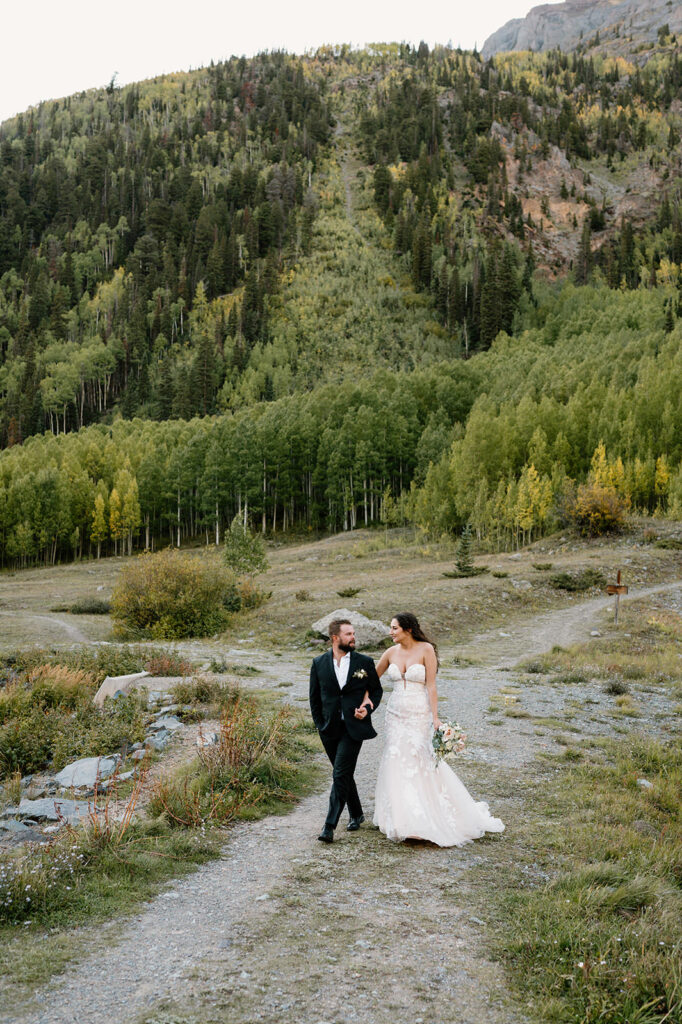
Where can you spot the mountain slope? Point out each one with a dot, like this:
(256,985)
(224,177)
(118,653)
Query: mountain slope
(624,27)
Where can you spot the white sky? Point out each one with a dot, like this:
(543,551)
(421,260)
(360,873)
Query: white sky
(52,49)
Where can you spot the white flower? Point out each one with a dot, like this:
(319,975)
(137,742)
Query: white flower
(360,674)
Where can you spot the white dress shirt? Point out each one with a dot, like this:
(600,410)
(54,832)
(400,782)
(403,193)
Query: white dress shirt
(341,669)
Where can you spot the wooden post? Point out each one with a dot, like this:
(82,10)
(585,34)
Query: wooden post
(616,589)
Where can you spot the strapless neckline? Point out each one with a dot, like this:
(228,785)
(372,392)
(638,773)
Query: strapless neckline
(413,673)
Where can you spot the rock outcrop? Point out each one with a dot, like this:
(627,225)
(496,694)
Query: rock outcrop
(628,23)
(368,632)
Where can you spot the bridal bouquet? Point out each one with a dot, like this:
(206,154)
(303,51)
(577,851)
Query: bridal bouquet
(448,739)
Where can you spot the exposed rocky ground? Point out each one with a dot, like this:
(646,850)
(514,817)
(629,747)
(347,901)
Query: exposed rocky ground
(625,25)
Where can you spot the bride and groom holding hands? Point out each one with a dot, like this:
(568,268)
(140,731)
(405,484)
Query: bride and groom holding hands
(416,796)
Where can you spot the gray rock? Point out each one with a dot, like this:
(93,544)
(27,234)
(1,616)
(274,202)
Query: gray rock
(521,584)
(24,835)
(166,710)
(595,632)
(87,771)
(565,25)
(207,739)
(136,746)
(170,723)
(11,825)
(368,632)
(49,809)
(645,784)
(139,755)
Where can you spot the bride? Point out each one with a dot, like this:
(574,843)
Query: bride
(417,798)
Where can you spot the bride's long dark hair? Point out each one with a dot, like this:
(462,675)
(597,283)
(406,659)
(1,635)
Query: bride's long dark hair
(410,623)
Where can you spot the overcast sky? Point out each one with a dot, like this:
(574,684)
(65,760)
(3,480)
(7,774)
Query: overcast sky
(52,49)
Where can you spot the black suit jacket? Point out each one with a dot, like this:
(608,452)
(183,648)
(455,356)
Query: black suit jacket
(328,700)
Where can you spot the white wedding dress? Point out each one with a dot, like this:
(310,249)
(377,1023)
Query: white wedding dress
(417,798)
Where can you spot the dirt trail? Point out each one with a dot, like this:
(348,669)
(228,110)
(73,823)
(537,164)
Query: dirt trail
(27,618)
(564,626)
(286,931)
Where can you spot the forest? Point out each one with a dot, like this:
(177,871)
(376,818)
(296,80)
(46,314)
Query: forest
(361,286)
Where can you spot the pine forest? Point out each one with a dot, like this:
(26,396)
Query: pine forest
(392,285)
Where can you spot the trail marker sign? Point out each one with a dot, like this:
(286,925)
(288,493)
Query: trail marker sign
(617,589)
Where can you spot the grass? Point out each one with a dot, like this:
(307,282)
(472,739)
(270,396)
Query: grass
(646,648)
(600,940)
(260,764)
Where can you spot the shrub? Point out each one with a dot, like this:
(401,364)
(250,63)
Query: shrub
(303,595)
(244,552)
(257,760)
(597,509)
(349,591)
(168,665)
(251,596)
(86,606)
(173,595)
(616,687)
(47,718)
(581,579)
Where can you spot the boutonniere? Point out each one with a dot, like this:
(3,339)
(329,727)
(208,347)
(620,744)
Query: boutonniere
(360,674)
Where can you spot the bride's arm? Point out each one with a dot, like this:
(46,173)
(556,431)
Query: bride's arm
(380,669)
(383,664)
(431,665)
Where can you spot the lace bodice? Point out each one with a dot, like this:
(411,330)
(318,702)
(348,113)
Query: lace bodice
(413,673)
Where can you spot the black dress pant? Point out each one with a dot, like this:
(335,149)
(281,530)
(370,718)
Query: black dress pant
(342,751)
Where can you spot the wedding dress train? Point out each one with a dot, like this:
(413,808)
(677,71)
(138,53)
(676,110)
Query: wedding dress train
(417,798)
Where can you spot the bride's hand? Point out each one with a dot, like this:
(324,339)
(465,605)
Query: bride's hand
(437,723)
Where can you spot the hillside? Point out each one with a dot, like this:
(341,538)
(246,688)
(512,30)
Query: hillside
(296,283)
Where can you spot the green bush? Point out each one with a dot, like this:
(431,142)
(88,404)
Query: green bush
(172,595)
(577,581)
(47,719)
(86,606)
(244,552)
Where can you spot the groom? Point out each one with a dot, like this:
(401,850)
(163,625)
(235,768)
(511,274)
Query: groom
(338,681)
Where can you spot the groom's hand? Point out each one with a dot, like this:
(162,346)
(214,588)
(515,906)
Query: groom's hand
(364,709)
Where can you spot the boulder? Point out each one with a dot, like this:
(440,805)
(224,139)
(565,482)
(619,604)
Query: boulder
(49,809)
(169,722)
(114,685)
(87,771)
(368,632)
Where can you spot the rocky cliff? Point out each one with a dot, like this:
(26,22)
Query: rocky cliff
(623,25)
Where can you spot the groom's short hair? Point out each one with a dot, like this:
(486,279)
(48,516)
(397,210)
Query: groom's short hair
(334,627)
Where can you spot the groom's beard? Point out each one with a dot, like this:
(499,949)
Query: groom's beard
(347,647)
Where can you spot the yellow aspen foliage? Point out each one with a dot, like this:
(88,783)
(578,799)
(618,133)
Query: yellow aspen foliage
(661,478)
(116,515)
(99,530)
(599,468)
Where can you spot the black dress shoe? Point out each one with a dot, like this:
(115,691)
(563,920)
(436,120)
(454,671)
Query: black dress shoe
(326,835)
(355,823)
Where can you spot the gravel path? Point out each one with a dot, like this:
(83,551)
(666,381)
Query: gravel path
(283,930)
